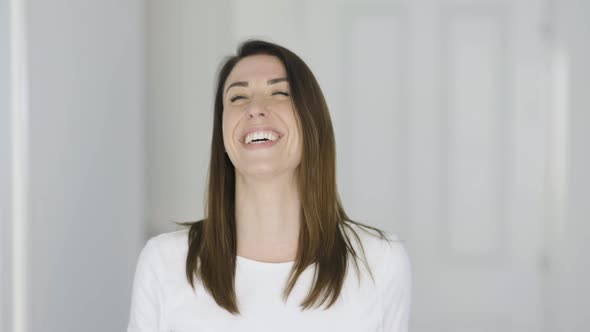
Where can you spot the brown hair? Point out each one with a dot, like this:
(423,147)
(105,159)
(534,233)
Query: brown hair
(322,241)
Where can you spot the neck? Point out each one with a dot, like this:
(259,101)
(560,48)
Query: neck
(267,217)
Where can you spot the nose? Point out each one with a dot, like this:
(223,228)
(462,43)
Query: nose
(257,109)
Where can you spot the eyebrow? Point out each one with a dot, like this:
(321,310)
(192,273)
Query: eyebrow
(245,84)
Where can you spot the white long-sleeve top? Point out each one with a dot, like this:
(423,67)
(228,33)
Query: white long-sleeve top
(163,301)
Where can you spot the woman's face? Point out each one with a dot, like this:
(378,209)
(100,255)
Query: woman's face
(260,131)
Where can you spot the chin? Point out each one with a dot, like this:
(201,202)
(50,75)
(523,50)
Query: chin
(265,171)
(262,173)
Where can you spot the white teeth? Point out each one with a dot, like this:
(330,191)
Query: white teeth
(269,135)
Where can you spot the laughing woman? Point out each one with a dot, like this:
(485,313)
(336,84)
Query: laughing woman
(275,250)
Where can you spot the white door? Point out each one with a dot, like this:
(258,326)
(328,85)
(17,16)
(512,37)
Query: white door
(440,111)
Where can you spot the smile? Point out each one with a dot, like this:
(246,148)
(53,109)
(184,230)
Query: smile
(260,135)
(260,139)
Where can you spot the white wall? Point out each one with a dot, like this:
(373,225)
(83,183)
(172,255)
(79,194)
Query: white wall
(571,289)
(4,165)
(86,162)
(187,39)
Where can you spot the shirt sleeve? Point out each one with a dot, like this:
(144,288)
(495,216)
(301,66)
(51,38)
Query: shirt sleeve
(397,287)
(146,292)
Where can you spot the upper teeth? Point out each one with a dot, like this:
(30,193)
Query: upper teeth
(269,135)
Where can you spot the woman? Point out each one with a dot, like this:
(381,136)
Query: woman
(274,251)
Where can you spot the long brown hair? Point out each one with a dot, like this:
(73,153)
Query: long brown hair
(322,241)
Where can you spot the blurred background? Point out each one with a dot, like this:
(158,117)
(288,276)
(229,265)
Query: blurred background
(461,125)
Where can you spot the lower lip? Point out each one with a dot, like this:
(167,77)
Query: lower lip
(256,146)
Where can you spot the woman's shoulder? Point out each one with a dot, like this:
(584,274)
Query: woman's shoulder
(375,238)
(388,256)
(166,251)
(170,243)
(170,240)
(385,250)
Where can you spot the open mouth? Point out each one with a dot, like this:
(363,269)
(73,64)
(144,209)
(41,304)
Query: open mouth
(261,137)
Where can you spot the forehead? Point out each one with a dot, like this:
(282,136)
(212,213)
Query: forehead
(256,67)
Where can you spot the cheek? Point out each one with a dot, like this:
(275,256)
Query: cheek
(297,136)
(226,126)
(296,126)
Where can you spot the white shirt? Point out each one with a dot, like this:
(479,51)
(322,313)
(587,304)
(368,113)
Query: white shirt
(163,301)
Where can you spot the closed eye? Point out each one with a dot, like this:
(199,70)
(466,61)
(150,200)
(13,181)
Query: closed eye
(284,93)
(236,98)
